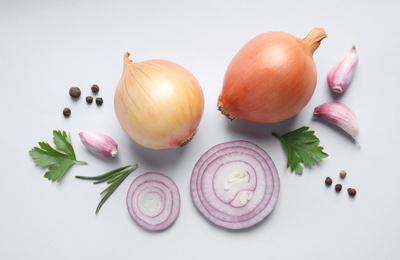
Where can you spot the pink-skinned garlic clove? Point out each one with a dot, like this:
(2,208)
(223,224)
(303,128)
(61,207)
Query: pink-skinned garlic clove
(100,144)
(342,71)
(339,115)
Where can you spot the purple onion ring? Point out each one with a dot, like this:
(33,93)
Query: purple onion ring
(235,184)
(153,201)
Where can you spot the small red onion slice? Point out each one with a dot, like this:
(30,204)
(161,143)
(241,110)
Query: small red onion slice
(153,201)
(235,184)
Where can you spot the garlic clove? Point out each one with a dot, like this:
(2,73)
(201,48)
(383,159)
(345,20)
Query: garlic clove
(340,115)
(100,144)
(342,71)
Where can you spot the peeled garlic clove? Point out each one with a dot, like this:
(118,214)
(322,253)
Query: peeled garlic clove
(340,115)
(100,144)
(342,71)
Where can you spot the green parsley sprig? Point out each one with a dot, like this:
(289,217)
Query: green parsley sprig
(114,178)
(57,162)
(301,146)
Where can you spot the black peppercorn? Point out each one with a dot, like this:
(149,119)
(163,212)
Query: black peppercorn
(89,99)
(95,88)
(328,181)
(67,111)
(75,92)
(352,192)
(338,187)
(99,101)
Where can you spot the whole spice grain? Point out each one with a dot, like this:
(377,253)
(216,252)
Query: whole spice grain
(342,174)
(66,112)
(328,181)
(74,92)
(95,88)
(99,101)
(89,99)
(338,187)
(352,192)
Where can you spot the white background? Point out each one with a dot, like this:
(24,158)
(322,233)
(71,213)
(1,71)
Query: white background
(48,46)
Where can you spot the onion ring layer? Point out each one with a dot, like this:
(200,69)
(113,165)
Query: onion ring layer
(153,201)
(235,184)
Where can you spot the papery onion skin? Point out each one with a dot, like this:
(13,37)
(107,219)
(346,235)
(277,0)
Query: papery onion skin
(219,203)
(271,78)
(158,103)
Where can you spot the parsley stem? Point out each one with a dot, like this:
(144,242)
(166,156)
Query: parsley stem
(276,135)
(81,162)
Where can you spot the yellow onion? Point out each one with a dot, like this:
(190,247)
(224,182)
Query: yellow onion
(158,103)
(271,78)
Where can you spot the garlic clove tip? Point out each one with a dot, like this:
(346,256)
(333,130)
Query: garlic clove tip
(114,152)
(337,89)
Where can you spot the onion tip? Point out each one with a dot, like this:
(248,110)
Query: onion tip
(314,38)
(126,57)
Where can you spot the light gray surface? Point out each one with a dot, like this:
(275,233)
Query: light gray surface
(48,46)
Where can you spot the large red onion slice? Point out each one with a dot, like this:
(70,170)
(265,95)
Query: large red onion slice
(235,184)
(153,201)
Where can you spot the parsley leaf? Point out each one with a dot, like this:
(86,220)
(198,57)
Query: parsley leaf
(57,161)
(301,146)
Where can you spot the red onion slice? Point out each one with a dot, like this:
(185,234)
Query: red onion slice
(153,201)
(235,184)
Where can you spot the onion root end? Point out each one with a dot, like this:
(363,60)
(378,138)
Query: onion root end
(225,113)
(187,140)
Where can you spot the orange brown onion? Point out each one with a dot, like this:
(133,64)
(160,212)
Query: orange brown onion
(271,78)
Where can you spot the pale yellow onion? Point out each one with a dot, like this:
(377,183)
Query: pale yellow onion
(158,103)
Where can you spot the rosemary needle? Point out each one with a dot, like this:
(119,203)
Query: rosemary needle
(114,178)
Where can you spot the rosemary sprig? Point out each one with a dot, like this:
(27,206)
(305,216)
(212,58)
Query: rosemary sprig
(114,178)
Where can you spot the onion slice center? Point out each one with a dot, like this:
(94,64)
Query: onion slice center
(153,201)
